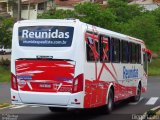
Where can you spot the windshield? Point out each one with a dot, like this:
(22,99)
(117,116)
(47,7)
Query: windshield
(46,36)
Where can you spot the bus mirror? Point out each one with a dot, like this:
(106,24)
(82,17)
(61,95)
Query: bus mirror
(90,41)
(149,58)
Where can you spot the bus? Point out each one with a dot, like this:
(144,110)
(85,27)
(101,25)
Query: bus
(68,64)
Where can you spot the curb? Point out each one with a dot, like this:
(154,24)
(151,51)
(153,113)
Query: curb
(146,117)
(156,108)
(7,107)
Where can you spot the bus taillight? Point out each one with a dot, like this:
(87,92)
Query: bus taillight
(14,82)
(78,84)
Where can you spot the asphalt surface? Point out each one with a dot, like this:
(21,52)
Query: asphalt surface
(123,111)
(5,93)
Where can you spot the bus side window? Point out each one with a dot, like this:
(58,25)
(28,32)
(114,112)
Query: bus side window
(104,49)
(139,53)
(90,55)
(124,52)
(145,62)
(92,52)
(115,50)
(133,53)
(130,51)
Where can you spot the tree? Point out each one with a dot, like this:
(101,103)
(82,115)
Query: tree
(57,14)
(87,12)
(118,16)
(156,13)
(145,28)
(95,14)
(5,31)
(123,11)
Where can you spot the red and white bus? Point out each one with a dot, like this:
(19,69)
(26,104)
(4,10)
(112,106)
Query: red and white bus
(67,64)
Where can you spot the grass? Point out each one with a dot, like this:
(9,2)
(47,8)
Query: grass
(5,74)
(153,114)
(154,67)
(4,105)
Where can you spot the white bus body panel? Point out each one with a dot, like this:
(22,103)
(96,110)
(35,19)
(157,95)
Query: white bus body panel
(58,98)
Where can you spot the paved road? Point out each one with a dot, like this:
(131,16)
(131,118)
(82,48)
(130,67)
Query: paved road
(5,93)
(123,111)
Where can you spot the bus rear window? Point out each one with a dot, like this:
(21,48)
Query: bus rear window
(45,36)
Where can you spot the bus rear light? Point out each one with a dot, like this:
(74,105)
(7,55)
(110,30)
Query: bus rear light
(78,84)
(14,84)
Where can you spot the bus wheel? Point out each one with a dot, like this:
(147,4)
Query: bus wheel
(138,96)
(109,107)
(57,109)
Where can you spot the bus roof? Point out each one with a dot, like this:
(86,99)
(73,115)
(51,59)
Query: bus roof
(115,34)
(72,20)
(48,20)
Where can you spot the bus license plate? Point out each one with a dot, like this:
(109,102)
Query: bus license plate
(45,85)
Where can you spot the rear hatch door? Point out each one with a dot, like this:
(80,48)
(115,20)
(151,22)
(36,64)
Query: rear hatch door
(45,81)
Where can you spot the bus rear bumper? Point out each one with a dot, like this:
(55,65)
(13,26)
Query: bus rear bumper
(75,100)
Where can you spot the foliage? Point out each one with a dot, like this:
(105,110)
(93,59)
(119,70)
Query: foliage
(118,16)
(144,27)
(151,113)
(4,62)
(12,2)
(5,74)
(156,13)
(5,31)
(87,12)
(154,68)
(4,105)
(123,11)
(95,14)
(57,14)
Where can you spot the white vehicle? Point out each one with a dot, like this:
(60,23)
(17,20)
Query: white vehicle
(70,64)
(4,50)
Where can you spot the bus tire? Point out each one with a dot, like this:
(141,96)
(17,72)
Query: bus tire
(110,103)
(138,96)
(57,109)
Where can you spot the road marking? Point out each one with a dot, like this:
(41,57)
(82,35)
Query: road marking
(34,106)
(135,103)
(152,101)
(18,106)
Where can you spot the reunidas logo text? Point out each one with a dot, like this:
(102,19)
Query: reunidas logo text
(47,34)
